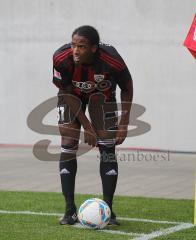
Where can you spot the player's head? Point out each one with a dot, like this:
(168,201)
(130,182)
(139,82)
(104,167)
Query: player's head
(85,42)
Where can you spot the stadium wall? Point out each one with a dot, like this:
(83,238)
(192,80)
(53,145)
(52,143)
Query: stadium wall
(148,34)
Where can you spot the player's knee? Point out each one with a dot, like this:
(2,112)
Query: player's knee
(71,130)
(68,151)
(106,145)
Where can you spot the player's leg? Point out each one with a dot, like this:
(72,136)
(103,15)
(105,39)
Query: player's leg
(69,129)
(108,168)
(108,164)
(68,169)
(104,121)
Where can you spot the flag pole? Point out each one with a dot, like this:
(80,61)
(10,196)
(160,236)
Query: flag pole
(195,201)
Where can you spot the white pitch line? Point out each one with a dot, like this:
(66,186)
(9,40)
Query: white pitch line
(164,232)
(139,236)
(30,213)
(77,225)
(148,220)
(119,218)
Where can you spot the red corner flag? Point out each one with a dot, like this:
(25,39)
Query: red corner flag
(190,41)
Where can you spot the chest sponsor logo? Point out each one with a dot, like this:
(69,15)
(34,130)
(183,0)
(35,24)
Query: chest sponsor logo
(98,77)
(91,86)
(99,84)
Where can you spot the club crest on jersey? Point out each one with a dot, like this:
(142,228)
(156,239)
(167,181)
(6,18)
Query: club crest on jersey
(57,74)
(98,77)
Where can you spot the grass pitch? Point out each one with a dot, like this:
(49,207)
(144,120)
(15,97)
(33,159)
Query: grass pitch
(140,218)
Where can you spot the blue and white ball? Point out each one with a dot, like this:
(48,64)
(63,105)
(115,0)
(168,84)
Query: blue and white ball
(94,213)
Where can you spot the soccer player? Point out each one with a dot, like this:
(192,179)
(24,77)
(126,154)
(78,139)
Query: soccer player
(87,73)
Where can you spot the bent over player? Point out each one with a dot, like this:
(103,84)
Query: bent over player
(87,73)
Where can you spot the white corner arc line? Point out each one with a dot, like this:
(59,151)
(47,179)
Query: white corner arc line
(30,213)
(165,232)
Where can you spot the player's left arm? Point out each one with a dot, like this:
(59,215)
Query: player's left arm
(126,85)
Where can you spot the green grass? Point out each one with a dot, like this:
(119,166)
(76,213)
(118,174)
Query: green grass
(36,227)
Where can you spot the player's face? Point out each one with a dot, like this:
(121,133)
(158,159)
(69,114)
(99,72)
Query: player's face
(83,51)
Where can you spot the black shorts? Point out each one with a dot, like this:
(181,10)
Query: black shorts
(103,115)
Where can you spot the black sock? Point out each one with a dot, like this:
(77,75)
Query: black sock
(108,172)
(68,170)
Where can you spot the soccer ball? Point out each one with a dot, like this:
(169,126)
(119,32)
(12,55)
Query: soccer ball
(94,213)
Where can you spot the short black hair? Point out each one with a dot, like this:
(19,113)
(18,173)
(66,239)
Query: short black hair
(88,32)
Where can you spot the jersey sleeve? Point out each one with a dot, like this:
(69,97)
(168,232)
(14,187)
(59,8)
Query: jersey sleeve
(61,78)
(121,72)
(62,67)
(123,77)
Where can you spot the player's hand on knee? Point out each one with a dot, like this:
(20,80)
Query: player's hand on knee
(90,136)
(121,134)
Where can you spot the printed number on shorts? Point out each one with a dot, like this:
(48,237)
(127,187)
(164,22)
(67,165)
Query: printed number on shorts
(61,111)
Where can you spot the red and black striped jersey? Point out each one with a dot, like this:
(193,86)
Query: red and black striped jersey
(107,70)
